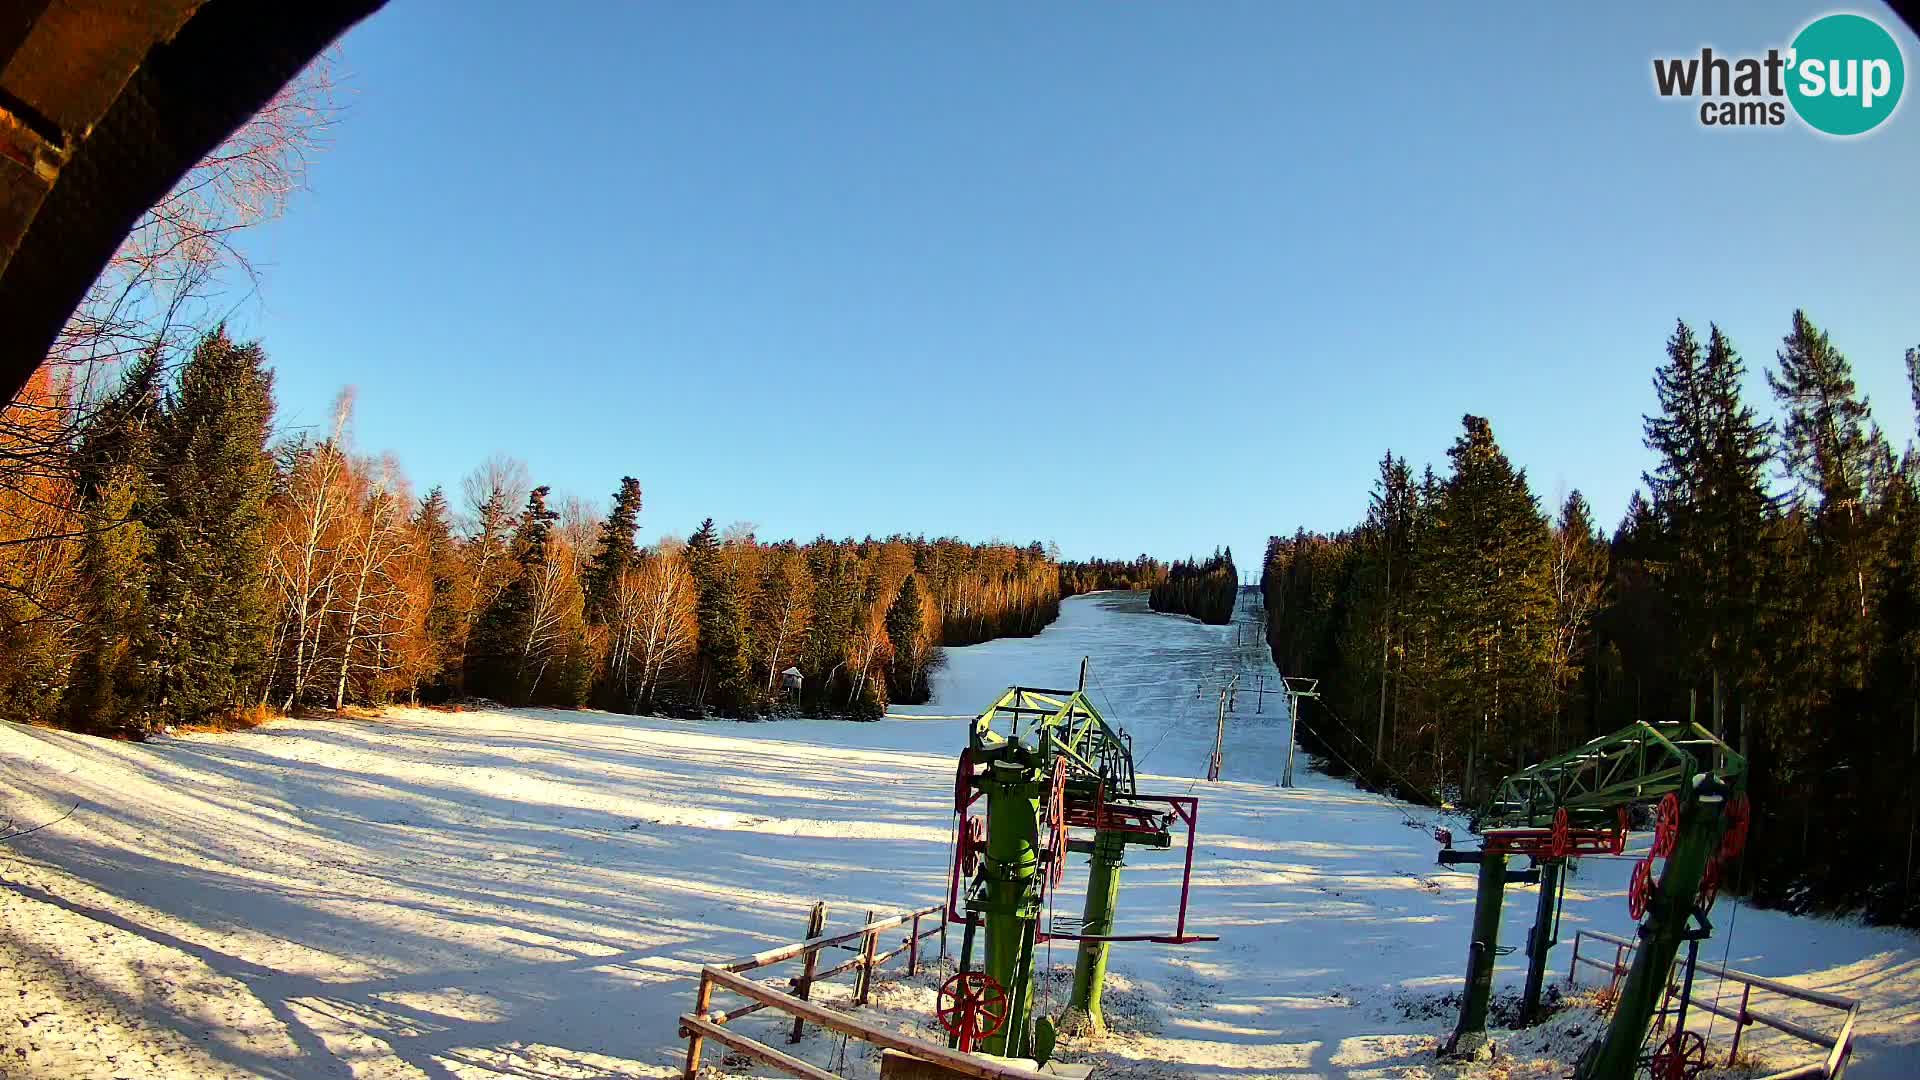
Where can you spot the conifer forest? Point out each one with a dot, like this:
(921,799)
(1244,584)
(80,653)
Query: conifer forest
(175,562)
(1762,582)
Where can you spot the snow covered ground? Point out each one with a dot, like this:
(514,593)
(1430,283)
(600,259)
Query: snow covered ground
(526,893)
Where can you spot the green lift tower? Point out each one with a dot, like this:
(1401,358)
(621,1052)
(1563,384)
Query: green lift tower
(1578,804)
(1055,779)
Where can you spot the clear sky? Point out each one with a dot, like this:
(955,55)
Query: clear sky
(1127,277)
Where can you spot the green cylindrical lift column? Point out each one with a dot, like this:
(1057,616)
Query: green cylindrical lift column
(1012,856)
(1083,1013)
(1471,1032)
(1541,940)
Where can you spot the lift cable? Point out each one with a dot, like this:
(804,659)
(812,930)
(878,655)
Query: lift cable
(1358,741)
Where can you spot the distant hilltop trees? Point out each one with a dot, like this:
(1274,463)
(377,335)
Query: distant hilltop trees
(1094,575)
(1204,590)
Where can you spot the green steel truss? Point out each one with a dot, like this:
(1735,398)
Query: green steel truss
(1638,763)
(1059,722)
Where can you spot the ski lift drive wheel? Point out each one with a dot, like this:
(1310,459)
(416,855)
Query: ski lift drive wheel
(1682,1057)
(1709,887)
(1739,818)
(963,780)
(973,843)
(1055,820)
(1666,826)
(1562,841)
(972,1005)
(1619,844)
(1640,891)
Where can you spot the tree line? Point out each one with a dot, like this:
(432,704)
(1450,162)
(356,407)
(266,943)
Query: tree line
(1205,590)
(179,564)
(1762,581)
(1137,574)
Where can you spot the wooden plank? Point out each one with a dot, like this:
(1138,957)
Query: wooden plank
(855,1028)
(691,1025)
(731,1015)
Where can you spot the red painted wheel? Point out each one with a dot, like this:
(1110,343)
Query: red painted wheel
(1666,826)
(1709,887)
(1682,1057)
(1054,820)
(1562,842)
(963,780)
(973,844)
(1640,891)
(1619,843)
(1739,817)
(971,1006)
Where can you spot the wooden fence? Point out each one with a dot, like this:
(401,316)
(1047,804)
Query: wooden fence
(703,1023)
(1839,1045)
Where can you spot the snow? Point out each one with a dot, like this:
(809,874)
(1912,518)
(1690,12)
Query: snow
(528,893)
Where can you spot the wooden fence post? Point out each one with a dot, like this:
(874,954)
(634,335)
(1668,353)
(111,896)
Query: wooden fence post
(803,986)
(863,978)
(913,947)
(702,1001)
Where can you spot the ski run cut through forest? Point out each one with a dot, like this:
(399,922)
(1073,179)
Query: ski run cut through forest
(530,893)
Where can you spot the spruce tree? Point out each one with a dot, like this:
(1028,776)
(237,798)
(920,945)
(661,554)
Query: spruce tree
(908,678)
(213,475)
(109,691)
(1490,564)
(1709,494)
(724,672)
(433,532)
(498,652)
(618,552)
(1829,454)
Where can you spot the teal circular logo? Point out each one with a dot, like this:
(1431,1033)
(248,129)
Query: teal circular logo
(1845,74)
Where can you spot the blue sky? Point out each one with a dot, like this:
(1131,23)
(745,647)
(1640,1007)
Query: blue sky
(1148,277)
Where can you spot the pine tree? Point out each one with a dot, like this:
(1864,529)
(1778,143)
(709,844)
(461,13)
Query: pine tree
(433,532)
(109,691)
(1829,454)
(213,476)
(1490,567)
(1709,492)
(724,673)
(499,653)
(907,681)
(618,552)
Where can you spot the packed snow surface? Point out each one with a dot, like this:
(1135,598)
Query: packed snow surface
(528,894)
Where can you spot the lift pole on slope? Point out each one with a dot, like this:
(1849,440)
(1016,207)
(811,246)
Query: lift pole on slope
(1296,688)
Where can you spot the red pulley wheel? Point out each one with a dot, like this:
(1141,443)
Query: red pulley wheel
(963,781)
(1666,826)
(973,843)
(1056,823)
(1709,887)
(1619,843)
(1739,817)
(1640,891)
(971,1006)
(1682,1057)
(1562,840)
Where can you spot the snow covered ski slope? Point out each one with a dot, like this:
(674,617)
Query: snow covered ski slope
(526,893)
